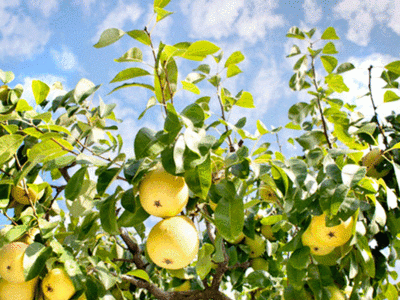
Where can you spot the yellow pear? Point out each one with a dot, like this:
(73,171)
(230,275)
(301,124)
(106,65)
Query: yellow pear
(371,160)
(57,285)
(336,294)
(162,194)
(259,263)
(17,291)
(173,243)
(11,262)
(309,240)
(256,245)
(266,231)
(183,287)
(19,194)
(267,193)
(331,236)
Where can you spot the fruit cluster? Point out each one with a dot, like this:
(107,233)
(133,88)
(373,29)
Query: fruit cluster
(173,242)
(56,285)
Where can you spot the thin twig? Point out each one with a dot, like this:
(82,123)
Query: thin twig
(231,147)
(385,141)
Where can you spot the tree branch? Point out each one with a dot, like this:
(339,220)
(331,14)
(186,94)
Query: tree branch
(385,141)
(134,249)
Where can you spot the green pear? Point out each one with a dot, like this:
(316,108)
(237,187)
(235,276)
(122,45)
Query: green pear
(256,245)
(11,262)
(57,285)
(17,291)
(259,263)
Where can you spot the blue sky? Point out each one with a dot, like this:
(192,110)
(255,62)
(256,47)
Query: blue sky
(52,40)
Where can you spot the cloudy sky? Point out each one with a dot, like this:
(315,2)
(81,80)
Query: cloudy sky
(52,40)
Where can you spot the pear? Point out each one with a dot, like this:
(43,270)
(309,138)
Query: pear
(163,194)
(11,262)
(372,160)
(259,263)
(57,285)
(17,291)
(257,246)
(331,236)
(317,249)
(267,193)
(19,194)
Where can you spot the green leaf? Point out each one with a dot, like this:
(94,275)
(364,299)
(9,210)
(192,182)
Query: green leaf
(204,263)
(195,114)
(329,34)
(329,48)
(109,36)
(229,217)
(232,71)
(40,91)
(262,129)
(198,179)
(302,62)
(391,292)
(234,58)
(132,218)
(106,178)
(108,216)
(299,169)
(190,87)
(203,68)
(129,73)
(300,259)
(161,3)
(84,89)
(74,185)
(146,143)
(35,258)
(390,97)
(329,63)
(335,82)
(298,112)
(394,67)
(22,105)
(49,150)
(9,145)
(199,50)
(344,67)
(352,174)
(295,32)
(140,36)
(245,100)
(125,85)
(139,274)
(161,13)
(294,51)
(132,55)
(7,76)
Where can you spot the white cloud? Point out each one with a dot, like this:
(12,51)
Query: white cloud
(85,4)
(46,7)
(362,16)
(312,12)
(65,59)
(220,19)
(20,36)
(121,15)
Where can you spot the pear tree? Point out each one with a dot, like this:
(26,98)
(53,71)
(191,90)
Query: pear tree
(201,208)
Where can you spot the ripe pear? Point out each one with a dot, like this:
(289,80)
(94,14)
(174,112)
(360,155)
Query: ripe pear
(259,263)
(371,160)
(183,287)
(173,243)
(162,194)
(19,194)
(336,294)
(266,231)
(267,193)
(17,291)
(57,285)
(256,245)
(11,262)
(309,240)
(331,236)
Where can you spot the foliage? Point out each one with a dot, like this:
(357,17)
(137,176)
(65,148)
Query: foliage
(101,239)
